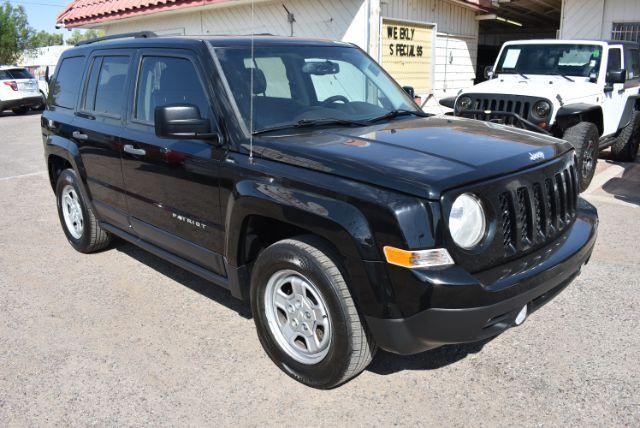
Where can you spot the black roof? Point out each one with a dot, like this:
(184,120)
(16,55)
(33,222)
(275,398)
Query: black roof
(215,40)
(622,42)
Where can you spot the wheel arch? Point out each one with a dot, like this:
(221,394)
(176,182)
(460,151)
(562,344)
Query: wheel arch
(632,104)
(572,114)
(261,213)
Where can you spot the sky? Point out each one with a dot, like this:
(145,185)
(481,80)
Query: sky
(42,13)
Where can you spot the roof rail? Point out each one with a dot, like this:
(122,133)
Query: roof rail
(137,35)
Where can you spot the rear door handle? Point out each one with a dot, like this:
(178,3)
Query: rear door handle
(133,151)
(79,135)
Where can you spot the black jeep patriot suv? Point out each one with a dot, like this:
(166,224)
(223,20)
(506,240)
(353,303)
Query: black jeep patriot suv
(300,176)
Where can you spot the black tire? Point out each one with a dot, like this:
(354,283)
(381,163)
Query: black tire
(625,147)
(93,237)
(584,137)
(20,110)
(350,349)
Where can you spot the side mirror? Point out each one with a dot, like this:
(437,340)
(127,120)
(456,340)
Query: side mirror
(409,90)
(616,76)
(488,72)
(182,121)
(449,102)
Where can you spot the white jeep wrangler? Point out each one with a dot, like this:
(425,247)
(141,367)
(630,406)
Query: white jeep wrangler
(586,92)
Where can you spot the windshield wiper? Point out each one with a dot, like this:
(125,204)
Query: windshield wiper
(395,113)
(521,74)
(308,123)
(562,75)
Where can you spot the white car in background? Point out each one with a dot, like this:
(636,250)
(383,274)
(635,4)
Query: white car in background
(19,90)
(584,91)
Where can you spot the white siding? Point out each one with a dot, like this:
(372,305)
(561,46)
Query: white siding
(347,20)
(334,19)
(581,19)
(593,19)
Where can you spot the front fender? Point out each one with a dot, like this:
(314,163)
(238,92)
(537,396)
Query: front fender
(338,222)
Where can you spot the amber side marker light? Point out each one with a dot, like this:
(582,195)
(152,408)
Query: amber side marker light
(418,259)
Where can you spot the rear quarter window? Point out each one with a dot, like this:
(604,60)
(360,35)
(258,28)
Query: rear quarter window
(65,86)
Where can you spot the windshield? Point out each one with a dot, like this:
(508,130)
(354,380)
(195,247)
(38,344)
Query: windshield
(303,84)
(559,59)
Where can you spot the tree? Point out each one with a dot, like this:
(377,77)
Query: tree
(42,38)
(14,32)
(78,36)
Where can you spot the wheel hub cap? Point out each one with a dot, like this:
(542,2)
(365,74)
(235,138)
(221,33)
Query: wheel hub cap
(297,316)
(72,211)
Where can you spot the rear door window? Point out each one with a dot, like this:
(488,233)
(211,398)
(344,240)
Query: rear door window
(65,86)
(111,87)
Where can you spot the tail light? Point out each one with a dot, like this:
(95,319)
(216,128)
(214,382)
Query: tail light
(12,84)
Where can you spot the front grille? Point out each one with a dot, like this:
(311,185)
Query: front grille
(545,213)
(530,209)
(500,103)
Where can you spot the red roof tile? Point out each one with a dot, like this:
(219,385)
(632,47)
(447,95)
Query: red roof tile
(80,12)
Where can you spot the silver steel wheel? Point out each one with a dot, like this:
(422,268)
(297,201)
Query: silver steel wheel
(72,211)
(298,316)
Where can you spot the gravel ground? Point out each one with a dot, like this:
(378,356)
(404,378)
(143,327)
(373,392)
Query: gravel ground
(123,338)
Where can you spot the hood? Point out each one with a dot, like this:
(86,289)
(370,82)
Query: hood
(537,86)
(418,156)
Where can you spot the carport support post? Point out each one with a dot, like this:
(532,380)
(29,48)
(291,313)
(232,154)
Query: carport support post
(373,28)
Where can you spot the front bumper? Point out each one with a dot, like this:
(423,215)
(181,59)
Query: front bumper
(499,293)
(21,102)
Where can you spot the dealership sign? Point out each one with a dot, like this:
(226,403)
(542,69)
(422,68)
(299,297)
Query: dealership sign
(407,52)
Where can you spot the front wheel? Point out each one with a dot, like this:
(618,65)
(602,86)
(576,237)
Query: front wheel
(306,319)
(584,138)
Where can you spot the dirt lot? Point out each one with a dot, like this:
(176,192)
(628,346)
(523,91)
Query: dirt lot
(123,338)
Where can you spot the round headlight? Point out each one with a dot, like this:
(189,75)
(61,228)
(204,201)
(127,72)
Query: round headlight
(541,109)
(465,103)
(467,223)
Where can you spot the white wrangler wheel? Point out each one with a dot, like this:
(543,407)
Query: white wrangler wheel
(297,316)
(72,211)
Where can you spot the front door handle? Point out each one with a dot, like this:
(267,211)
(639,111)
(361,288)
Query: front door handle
(132,150)
(79,135)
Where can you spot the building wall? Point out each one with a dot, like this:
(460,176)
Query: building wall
(593,19)
(347,20)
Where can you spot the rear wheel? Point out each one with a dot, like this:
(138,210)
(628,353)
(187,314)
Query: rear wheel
(20,110)
(306,319)
(584,138)
(625,148)
(76,217)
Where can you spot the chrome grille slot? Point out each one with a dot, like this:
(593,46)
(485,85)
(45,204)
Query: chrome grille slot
(534,214)
(529,209)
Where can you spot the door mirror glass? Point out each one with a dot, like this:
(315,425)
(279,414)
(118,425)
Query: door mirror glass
(616,76)
(182,121)
(488,72)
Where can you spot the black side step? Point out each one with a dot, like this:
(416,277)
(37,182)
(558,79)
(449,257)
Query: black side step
(178,261)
